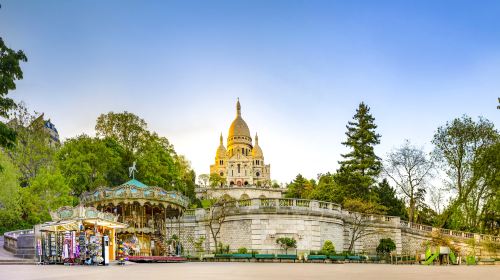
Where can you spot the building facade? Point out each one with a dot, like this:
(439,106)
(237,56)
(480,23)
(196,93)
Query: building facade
(242,162)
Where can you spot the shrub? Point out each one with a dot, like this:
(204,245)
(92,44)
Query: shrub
(242,250)
(222,249)
(386,246)
(328,248)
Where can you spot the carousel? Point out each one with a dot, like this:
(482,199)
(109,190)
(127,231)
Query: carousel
(144,209)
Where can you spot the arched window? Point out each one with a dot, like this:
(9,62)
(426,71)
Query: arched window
(239,168)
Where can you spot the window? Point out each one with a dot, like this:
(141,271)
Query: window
(239,168)
(257,174)
(221,174)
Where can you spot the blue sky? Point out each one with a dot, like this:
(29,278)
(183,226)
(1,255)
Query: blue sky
(300,68)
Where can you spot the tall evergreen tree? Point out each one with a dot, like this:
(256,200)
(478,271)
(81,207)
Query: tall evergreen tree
(387,197)
(360,166)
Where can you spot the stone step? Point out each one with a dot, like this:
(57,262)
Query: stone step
(16,262)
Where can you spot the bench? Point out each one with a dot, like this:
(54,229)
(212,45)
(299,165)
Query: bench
(259,257)
(337,258)
(486,261)
(354,258)
(242,256)
(286,257)
(208,257)
(222,256)
(316,258)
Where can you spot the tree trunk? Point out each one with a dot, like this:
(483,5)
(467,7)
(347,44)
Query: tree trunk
(412,210)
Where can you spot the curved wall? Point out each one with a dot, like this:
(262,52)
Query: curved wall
(256,224)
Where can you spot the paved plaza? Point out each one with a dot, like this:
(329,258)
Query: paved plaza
(253,271)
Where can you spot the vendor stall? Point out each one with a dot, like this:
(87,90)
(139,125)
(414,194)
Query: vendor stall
(78,235)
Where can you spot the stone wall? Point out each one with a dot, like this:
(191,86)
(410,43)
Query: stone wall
(21,243)
(257,224)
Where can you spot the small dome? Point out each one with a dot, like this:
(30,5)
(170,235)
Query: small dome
(257,151)
(221,151)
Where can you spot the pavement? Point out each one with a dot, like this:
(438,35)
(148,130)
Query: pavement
(253,271)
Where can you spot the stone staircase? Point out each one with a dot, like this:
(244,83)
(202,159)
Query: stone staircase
(160,242)
(8,258)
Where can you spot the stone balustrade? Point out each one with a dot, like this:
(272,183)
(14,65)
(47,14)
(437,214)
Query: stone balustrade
(322,208)
(449,232)
(20,242)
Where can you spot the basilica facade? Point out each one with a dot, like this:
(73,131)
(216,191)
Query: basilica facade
(242,162)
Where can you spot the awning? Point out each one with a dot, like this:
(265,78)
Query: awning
(74,224)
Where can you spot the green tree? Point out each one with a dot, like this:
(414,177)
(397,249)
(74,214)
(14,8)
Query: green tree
(485,198)
(187,177)
(10,71)
(300,187)
(328,248)
(126,128)
(10,211)
(286,243)
(386,246)
(387,197)
(360,166)
(458,148)
(216,180)
(46,192)
(156,163)
(425,215)
(88,163)
(327,189)
(34,148)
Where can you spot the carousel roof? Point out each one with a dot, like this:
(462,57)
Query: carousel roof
(136,183)
(135,191)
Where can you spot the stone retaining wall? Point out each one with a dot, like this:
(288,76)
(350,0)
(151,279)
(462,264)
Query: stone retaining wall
(21,243)
(256,224)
